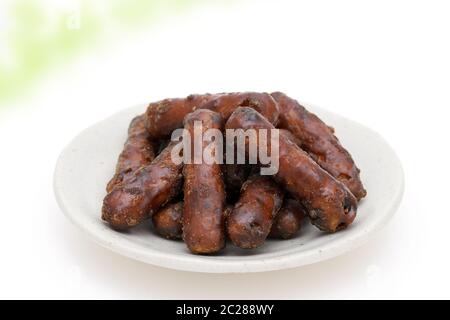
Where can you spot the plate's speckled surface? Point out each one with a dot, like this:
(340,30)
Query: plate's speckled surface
(88,162)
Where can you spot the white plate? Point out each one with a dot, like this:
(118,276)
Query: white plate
(88,162)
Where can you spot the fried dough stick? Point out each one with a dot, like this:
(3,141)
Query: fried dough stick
(138,151)
(167,115)
(319,141)
(331,206)
(204,193)
(138,198)
(252,217)
(288,220)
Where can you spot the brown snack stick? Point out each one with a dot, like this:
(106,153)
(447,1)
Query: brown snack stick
(331,206)
(252,217)
(168,221)
(138,151)
(204,193)
(164,116)
(319,141)
(167,115)
(262,102)
(138,198)
(288,220)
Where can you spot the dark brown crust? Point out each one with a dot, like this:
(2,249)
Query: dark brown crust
(168,221)
(319,141)
(167,115)
(135,200)
(204,195)
(164,116)
(251,219)
(138,151)
(331,206)
(288,220)
(263,102)
(290,136)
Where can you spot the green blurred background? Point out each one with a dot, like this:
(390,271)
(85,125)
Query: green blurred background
(37,35)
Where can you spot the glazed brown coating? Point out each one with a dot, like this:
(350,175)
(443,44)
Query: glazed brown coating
(319,141)
(263,102)
(204,194)
(135,200)
(164,116)
(290,136)
(167,115)
(252,217)
(331,206)
(288,220)
(168,221)
(138,151)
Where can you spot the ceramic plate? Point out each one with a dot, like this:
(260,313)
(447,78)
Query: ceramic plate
(88,162)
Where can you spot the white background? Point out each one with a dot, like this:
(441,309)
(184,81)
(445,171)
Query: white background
(385,64)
